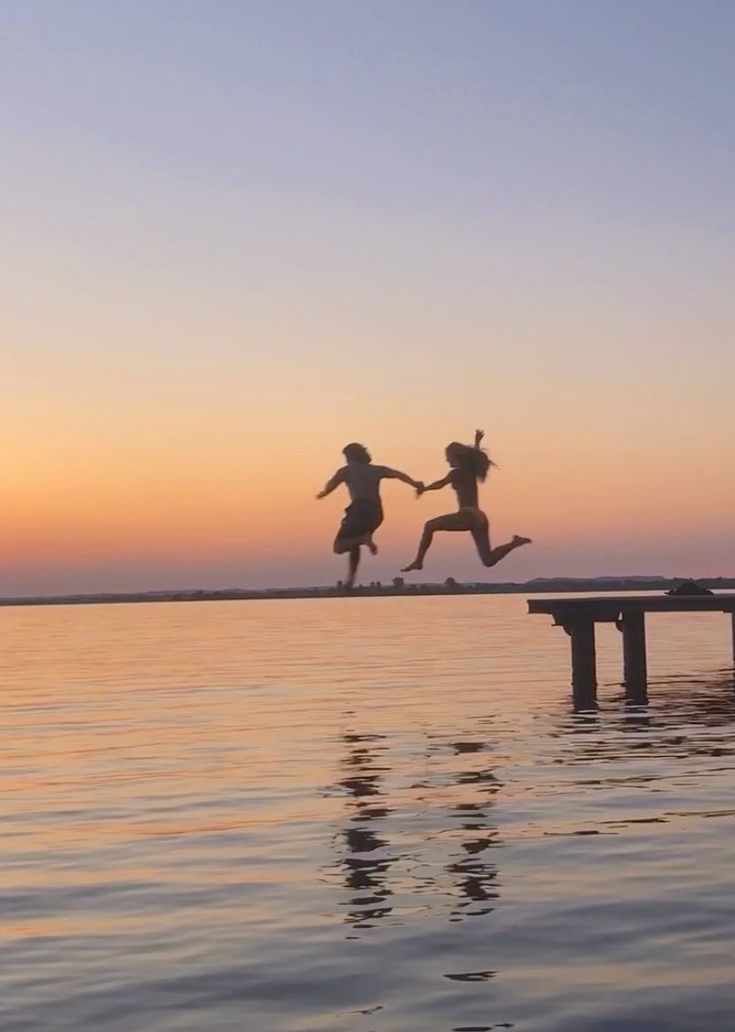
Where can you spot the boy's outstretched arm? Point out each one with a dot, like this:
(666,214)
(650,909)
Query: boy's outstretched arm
(330,485)
(395,474)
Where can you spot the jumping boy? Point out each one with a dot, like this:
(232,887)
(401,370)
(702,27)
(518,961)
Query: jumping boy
(365,513)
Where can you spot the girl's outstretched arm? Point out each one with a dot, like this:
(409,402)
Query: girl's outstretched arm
(479,434)
(437,484)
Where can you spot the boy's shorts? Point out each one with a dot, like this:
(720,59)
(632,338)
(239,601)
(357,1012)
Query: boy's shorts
(362,517)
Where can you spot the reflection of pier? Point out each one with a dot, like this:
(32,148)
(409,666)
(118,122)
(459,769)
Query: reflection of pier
(578,617)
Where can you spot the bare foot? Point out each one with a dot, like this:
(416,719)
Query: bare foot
(372,546)
(415,565)
(518,540)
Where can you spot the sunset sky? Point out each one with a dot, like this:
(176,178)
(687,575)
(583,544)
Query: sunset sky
(237,235)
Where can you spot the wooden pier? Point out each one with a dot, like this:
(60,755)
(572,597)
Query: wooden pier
(578,617)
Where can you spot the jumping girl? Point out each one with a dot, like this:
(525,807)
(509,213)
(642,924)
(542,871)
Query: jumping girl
(468,466)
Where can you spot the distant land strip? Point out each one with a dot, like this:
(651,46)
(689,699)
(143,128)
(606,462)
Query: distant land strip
(397,587)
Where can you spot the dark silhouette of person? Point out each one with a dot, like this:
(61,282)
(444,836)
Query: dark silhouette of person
(365,513)
(469,465)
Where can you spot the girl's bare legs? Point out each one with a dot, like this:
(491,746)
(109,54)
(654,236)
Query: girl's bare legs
(454,521)
(491,556)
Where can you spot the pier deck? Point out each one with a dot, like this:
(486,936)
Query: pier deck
(578,617)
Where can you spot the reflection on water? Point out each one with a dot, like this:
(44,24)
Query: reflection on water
(223,816)
(476,874)
(366,858)
(364,849)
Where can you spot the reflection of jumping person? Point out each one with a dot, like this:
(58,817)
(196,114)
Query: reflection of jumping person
(469,464)
(365,514)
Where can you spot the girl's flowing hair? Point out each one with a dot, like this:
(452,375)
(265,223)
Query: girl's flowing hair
(470,459)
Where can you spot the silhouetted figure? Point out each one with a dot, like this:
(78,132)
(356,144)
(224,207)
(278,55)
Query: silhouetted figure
(365,513)
(469,464)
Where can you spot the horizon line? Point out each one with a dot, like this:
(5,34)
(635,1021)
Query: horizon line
(397,586)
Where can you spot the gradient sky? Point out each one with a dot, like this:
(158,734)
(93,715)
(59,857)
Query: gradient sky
(237,235)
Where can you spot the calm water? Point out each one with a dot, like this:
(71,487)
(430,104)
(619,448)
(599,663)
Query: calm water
(370,815)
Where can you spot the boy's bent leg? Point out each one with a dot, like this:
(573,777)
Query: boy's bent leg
(342,544)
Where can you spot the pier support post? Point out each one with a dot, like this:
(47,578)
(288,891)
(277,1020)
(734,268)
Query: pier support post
(732,617)
(584,665)
(635,668)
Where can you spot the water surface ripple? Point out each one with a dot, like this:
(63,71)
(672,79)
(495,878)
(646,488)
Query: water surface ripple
(369,815)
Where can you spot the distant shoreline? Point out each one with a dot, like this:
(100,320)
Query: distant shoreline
(397,588)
